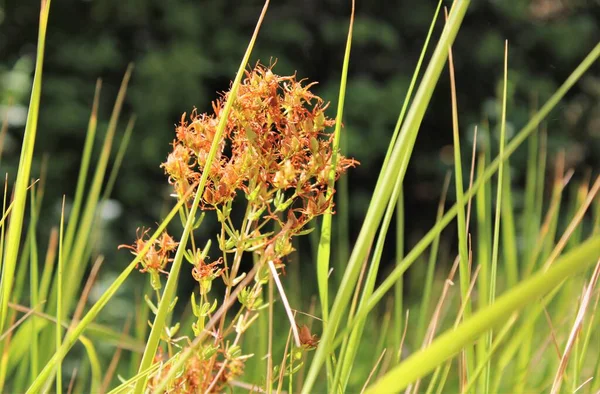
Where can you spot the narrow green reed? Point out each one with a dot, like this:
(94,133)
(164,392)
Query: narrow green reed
(34,284)
(119,159)
(528,219)
(83,169)
(464,263)
(169,292)
(509,232)
(399,289)
(540,183)
(547,232)
(324,249)
(342,212)
(429,276)
(481,181)
(383,190)
(94,361)
(409,92)
(484,249)
(59,295)
(497,218)
(488,356)
(13,236)
(347,359)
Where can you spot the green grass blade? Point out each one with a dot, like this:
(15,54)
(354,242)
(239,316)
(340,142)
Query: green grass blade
(33,286)
(464,269)
(83,169)
(429,276)
(451,342)
(324,249)
(399,288)
(15,227)
(498,217)
(59,277)
(509,237)
(346,362)
(119,159)
(409,92)
(94,364)
(383,191)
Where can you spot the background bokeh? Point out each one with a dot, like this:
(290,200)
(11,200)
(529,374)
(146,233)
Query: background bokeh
(186,51)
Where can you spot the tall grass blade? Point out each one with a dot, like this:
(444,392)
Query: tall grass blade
(383,191)
(13,237)
(464,269)
(83,169)
(499,193)
(59,276)
(324,250)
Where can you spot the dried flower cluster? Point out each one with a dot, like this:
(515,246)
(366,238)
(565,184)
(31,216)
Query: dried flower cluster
(276,150)
(158,255)
(198,375)
(280,153)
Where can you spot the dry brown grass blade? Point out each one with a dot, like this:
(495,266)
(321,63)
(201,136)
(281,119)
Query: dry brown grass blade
(437,312)
(86,291)
(283,360)
(560,182)
(552,333)
(114,362)
(311,313)
(435,318)
(573,224)
(403,335)
(286,303)
(72,381)
(472,176)
(585,300)
(373,371)
(17,323)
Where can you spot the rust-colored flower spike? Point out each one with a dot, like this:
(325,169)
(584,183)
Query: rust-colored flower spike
(198,374)
(277,135)
(279,153)
(155,259)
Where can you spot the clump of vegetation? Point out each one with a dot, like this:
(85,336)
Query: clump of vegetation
(281,157)
(268,148)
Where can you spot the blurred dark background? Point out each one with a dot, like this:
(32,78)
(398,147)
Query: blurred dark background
(186,51)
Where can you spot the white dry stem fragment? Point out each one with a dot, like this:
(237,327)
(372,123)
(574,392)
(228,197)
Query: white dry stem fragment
(585,301)
(286,304)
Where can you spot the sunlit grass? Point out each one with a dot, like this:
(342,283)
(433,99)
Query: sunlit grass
(521,317)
